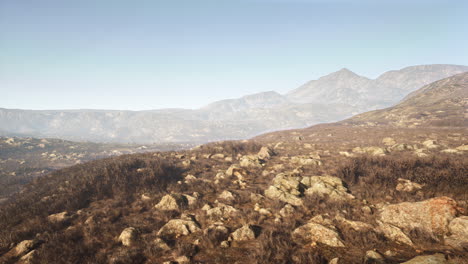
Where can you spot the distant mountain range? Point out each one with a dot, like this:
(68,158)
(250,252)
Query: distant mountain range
(441,103)
(331,98)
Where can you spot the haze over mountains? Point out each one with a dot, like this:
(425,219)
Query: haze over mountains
(330,98)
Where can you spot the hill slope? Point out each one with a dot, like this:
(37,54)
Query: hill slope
(442,103)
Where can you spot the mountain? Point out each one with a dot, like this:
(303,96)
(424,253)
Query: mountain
(442,103)
(331,98)
(346,87)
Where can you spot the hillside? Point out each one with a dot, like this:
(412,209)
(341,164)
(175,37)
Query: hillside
(332,193)
(330,98)
(442,103)
(23,159)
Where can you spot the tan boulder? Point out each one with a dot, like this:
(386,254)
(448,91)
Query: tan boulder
(179,227)
(408,186)
(316,233)
(265,153)
(458,233)
(245,233)
(326,186)
(428,259)
(221,212)
(171,202)
(250,161)
(128,236)
(431,216)
(388,141)
(394,233)
(305,161)
(59,218)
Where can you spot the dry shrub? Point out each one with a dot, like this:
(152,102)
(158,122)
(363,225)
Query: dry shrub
(376,177)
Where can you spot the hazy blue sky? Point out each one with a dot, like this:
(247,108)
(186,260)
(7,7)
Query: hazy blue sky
(111,54)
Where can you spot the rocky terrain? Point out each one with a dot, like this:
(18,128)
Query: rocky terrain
(331,98)
(22,159)
(348,192)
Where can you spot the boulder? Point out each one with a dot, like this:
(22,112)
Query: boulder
(394,234)
(128,236)
(236,170)
(355,225)
(275,193)
(373,257)
(290,184)
(374,151)
(250,161)
(59,218)
(286,188)
(221,212)
(429,259)
(265,153)
(218,156)
(287,211)
(316,233)
(458,233)
(171,202)
(227,196)
(326,186)
(462,148)
(305,160)
(408,186)
(388,141)
(430,144)
(245,233)
(23,247)
(430,216)
(401,147)
(179,227)
(161,244)
(190,178)
(28,258)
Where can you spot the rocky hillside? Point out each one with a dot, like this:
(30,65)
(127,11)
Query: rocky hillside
(328,194)
(333,194)
(330,98)
(22,159)
(442,103)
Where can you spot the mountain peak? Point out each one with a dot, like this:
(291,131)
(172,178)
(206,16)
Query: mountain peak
(343,73)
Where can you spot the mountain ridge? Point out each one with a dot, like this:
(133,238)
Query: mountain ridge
(341,95)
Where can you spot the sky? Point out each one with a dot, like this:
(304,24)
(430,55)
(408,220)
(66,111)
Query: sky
(151,54)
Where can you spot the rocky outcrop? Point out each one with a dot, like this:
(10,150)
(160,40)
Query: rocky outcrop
(326,186)
(179,227)
(62,217)
(221,212)
(250,161)
(458,233)
(171,202)
(394,234)
(306,161)
(265,153)
(287,189)
(245,233)
(374,151)
(227,196)
(128,236)
(316,233)
(431,216)
(408,186)
(429,259)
